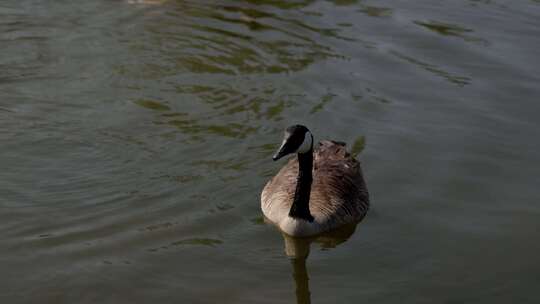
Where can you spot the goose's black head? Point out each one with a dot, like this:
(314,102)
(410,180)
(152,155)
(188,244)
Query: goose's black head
(297,139)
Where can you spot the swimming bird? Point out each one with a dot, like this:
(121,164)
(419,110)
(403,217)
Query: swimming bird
(317,191)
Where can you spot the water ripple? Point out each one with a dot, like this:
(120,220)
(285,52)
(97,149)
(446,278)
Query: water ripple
(228,39)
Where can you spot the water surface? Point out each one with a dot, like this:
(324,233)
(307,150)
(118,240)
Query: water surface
(137,135)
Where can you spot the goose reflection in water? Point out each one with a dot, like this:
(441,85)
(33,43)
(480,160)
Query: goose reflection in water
(297,249)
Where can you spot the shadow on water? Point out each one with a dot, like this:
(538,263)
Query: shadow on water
(447,29)
(298,249)
(376,11)
(458,80)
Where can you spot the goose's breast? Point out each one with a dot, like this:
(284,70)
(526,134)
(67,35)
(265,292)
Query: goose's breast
(299,227)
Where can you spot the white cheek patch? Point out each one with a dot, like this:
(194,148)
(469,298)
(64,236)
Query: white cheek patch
(306,144)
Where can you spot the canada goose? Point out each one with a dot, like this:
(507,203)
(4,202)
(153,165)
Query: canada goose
(317,191)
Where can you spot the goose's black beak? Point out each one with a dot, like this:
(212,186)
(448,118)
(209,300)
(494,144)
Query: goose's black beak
(279,154)
(282,151)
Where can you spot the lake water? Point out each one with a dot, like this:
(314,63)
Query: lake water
(137,135)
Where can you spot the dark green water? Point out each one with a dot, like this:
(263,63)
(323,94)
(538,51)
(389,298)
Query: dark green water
(136,138)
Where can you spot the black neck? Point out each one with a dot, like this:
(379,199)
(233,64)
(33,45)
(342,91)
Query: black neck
(300,206)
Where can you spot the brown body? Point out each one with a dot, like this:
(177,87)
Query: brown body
(338,192)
